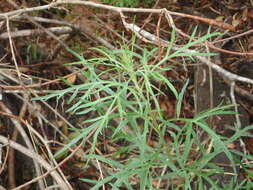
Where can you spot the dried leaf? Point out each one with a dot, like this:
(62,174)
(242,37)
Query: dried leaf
(72,79)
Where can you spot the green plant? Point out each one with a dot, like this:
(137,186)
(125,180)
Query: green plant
(123,98)
(129,3)
(32,53)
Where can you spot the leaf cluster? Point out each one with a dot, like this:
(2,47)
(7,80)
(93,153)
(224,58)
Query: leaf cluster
(123,97)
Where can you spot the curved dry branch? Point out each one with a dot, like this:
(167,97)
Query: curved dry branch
(22,132)
(34,32)
(38,159)
(117,9)
(154,39)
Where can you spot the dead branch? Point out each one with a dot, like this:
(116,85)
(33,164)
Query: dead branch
(82,29)
(61,163)
(33,32)
(153,39)
(117,9)
(37,158)
(17,125)
(55,4)
(21,131)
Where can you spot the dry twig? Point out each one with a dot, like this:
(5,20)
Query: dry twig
(22,133)
(38,159)
(117,9)
(153,39)
(35,32)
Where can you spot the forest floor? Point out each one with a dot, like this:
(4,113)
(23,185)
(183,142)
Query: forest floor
(100,95)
